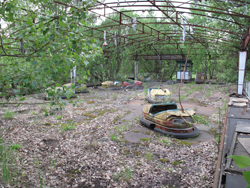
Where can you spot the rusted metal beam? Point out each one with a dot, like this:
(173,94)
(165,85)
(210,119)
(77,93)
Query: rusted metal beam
(245,40)
(192,13)
(186,8)
(128,17)
(162,57)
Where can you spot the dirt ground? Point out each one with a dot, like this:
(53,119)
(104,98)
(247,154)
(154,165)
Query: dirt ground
(96,140)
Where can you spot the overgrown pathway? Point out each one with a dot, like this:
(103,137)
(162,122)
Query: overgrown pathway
(96,141)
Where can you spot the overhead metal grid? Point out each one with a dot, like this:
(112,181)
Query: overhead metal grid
(169,13)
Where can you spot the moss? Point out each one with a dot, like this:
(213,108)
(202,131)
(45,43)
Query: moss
(182,142)
(176,163)
(145,139)
(47,124)
(147,132)
(136,131)
(163,160)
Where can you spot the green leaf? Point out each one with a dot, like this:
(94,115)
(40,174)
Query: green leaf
(29,22)
(33,62)
(68,94)
(22,99)
(10,16)
(248,186)
(34,84)
(62,24)
(241,161)
(57,85)
(3,94)
(246,175)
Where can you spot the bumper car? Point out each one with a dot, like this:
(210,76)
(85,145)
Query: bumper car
(166,119)
(157,95)
(113,85)
(132,84)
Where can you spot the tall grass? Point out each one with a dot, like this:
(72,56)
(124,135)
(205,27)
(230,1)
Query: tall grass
(7,159)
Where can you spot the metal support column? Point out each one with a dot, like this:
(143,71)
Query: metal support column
(73,75)
(241,75)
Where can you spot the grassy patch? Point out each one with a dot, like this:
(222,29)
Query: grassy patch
(176,163)
(149,156)
(120,129)
(8,114)
(69,126)
(114,137)
(165,141)
(201,119)
(124,175)
(182,142)
(8,163)
(15,147)
(59,117)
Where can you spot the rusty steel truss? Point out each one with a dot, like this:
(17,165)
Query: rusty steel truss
(118,16)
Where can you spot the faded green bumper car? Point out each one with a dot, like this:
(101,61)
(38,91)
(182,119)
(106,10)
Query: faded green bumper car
(165,118)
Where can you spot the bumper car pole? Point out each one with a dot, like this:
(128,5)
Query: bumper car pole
(182,109)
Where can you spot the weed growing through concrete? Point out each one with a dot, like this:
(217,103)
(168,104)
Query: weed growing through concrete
(145,139)
(8,115)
